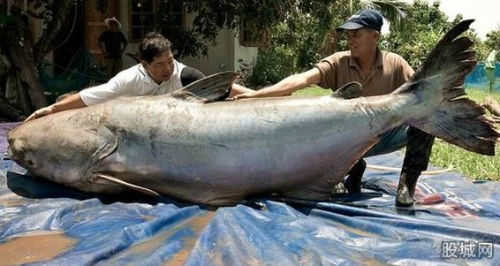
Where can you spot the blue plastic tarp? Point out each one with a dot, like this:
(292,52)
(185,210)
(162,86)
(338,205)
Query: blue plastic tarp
(455,222)
(477,78)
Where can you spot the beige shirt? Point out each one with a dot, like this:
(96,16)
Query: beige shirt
(390,72)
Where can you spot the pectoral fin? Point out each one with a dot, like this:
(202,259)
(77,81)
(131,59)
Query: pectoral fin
(108,143)
(126,184)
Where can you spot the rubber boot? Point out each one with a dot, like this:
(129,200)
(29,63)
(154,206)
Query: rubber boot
(406,188)
(418,152)
(353,181)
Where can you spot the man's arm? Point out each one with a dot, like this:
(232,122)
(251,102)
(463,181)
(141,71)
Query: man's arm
(101,43)
(237,89)
(124,47)
(102,48)
(72,102)
(190,75)
(124,43)
(286,86)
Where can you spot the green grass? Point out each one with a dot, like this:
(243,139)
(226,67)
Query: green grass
(313,91)
(472,165)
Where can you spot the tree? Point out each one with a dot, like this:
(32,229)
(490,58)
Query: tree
(308,33)
(493,42)
(21,52)
(211,16)
(428,24)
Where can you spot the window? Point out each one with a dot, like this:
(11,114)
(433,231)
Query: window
(142,18)
(164,16)
(173,21)
(253,37)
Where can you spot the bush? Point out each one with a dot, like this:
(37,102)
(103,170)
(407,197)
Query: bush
(271,66)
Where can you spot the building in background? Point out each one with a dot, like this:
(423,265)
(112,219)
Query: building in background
(139,17)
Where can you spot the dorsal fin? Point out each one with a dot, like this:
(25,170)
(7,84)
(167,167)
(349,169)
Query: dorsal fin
(215,87)
(349,91)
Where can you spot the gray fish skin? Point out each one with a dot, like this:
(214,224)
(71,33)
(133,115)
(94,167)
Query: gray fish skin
(221,151)
(218,153)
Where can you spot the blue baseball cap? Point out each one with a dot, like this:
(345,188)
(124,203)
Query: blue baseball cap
(369,18)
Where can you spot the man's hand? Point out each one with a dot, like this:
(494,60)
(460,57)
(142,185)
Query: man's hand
(251,94)
(40,112)
(286,86)
(73,101)
(237,90)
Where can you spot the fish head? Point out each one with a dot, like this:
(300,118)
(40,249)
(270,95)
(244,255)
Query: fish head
(55,151)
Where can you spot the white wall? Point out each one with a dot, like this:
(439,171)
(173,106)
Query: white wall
(247,54)
(220,55)
(223,53)
(124,7)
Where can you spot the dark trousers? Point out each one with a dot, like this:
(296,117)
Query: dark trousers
(418,146)
(113,66)
(418,151)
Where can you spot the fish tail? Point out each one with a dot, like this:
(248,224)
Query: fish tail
(437,93)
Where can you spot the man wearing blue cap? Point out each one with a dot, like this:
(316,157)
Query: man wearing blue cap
(379,72)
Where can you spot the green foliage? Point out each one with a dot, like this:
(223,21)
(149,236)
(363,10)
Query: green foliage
(493,42)
(211,16)
(481,49)
(257,15)
(295,35)
(415,51)
(281,60)
(5,20)
(186,41)
(305,27)
(302,32)
(298,41)
(307,31)
(393,10)
(427,26)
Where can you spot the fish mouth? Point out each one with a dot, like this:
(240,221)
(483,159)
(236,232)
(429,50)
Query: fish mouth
(9,154)
(19,159)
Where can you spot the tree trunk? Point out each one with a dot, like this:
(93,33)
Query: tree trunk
(57,30)
(18,48)
(16,95)
(8,112)
(21,91)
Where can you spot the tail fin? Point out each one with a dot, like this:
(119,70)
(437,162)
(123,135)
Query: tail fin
(459,121)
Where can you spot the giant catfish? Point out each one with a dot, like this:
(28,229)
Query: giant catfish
(193,146)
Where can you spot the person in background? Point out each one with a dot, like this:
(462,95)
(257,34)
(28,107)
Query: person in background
(112,43)
(379,72)
(157,73)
